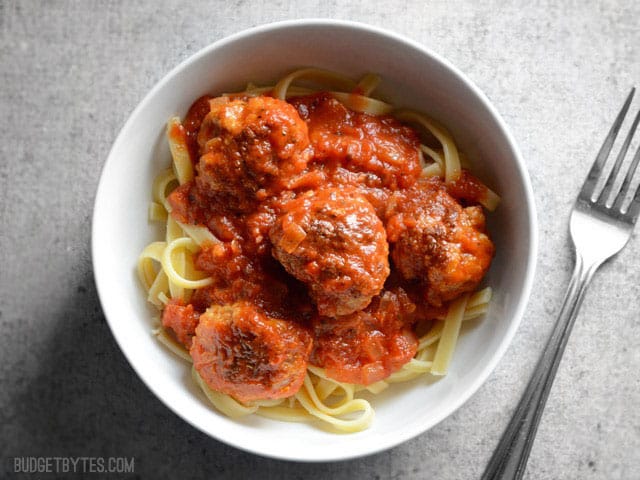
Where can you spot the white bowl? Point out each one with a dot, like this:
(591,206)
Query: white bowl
(412,76)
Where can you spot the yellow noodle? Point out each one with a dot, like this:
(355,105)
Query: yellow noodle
(169,268)
(168,341)
(449,337)
(314,406)
(199,233)
(451,157)
(158,290)
(362,104)
(179,150)
(160,186)
(368,84)
(226,404)
(316,75)
(284,414)
(157,212)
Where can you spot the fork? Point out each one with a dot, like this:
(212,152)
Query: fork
(600,227)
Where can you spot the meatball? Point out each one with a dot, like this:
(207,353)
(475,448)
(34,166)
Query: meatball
(368,345)
(240,351)
(333,241)
(437,242)
(250,147)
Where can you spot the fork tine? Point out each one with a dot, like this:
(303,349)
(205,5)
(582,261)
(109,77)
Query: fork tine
(592,179)
(624,189)
(606,191)
(634,207)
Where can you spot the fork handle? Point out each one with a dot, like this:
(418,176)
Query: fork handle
(510,457)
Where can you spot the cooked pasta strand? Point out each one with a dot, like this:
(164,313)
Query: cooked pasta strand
(170,268)
(179,150)
(157,212)
(226,404)
(432,335)
(449,336)
(160,186)
(314,406)
(284,414)
(166,339)
(158,289)
(199,233)
(451,158)
(368,84)
(480,297)
(363,104)
(316,75)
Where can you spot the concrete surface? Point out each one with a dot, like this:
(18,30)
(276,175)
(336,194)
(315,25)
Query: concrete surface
(71,73)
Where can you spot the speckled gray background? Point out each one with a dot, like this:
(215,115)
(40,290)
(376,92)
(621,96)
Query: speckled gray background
(71,73)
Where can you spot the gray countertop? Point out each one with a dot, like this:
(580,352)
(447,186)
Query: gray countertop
(71,73)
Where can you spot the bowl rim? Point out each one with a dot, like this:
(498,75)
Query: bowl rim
(385,442)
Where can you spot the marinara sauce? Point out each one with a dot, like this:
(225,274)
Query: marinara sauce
(323,225)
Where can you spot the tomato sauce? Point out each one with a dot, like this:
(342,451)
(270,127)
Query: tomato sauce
(370,344)
(377,154)
(256,160)
(192,123)
(468,188)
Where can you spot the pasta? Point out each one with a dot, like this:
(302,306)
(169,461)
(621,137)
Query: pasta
(168,269)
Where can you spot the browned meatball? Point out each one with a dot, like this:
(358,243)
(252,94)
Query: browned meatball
(333,241)
(250,146)
(437,242)
(240,351)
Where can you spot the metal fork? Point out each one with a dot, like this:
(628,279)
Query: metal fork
(599,228)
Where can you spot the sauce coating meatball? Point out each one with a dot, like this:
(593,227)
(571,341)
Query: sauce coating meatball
(250,147)
(437,242)
(181,320)
(240,351)
(333,241)
(377,145)
(368,345)
(374,153)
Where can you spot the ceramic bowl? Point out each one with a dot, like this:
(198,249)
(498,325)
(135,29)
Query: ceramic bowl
(413,76)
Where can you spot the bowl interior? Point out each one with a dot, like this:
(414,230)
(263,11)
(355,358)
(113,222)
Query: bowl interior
(412,77)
